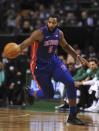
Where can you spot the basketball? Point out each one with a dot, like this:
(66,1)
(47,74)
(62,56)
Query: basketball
(11,50)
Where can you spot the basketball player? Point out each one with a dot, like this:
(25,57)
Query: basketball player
(45,64)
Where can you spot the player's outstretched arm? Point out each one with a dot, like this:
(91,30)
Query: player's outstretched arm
(70,50)
(37,35)
(12,50)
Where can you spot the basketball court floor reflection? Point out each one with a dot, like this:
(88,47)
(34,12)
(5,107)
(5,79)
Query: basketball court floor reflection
(21,120)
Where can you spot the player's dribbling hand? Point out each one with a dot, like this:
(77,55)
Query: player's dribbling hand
(19,50)
(11,50)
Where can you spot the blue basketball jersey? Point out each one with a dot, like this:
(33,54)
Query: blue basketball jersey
(47,48)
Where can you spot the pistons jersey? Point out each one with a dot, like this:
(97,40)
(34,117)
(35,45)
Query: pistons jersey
(47,48)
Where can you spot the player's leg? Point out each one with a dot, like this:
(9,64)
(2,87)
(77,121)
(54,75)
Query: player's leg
(62,74)
(41,74)
(44,81)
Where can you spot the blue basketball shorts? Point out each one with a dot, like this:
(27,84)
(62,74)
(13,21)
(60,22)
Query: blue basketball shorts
(56,69)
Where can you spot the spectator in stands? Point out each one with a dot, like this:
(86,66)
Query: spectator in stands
(86,19)
(3,94)
(70,19)
(24,15)
(11,21)
(90,74)
(10,84)
(26,27)
(19,89)
(2,74)
(91,51)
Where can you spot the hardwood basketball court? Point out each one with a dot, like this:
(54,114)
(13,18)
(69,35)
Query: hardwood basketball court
(22,120)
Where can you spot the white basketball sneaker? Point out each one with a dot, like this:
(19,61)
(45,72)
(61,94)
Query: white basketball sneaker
(89,109)
(96,109)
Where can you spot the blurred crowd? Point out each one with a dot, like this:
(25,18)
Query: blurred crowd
(23,17)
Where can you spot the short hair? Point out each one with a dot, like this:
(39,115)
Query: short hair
(54,16)
(93,59)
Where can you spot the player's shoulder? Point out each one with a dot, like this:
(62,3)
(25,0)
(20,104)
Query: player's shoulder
(43,29)
(61,32)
